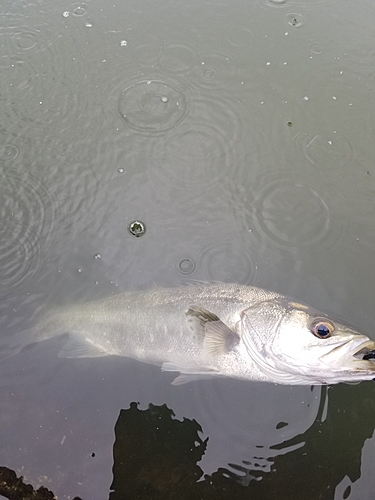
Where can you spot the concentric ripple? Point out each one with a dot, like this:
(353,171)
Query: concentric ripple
(240,36)
(226,259)
(216,70)
(203,150)
(291,213)
(177,58)
(294,3)
(42,97)
(27,213)
(152,106)
(146,54)
(185,266)
(18,38)
(9,152)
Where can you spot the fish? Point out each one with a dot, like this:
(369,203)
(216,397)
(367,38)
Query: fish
(210,330)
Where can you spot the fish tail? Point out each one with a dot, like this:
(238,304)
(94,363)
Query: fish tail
(47,328)
(51,325)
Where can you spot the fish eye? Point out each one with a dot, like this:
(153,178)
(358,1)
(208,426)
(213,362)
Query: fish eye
(322,328)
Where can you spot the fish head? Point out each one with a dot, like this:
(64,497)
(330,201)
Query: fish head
(295,344)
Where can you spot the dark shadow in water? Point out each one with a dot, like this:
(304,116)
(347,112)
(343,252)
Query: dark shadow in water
(156,456)
(14,488)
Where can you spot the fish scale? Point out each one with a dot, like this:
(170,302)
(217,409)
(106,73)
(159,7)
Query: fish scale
(215,330)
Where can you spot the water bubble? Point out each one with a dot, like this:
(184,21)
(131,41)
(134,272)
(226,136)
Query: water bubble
(186,266)
(137,228)
(295,20)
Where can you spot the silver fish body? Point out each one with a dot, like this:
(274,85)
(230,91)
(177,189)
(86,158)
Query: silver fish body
(209,330)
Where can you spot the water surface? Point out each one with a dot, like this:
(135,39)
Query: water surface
(241,135)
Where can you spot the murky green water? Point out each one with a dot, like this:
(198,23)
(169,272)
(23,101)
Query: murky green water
(240,133)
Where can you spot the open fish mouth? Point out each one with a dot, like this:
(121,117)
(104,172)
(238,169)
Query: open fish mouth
(355,354)
(364,356)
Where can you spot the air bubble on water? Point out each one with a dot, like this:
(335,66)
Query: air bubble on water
(164,99)
(123,43)
(137,228)
(97,256)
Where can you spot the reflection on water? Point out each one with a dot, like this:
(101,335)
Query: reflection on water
(240,135)
(157,456)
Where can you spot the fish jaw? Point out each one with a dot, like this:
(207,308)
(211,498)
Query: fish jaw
(342,363)
(348,357)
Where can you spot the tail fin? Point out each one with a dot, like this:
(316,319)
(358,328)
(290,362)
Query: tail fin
(48,327)
(16,342)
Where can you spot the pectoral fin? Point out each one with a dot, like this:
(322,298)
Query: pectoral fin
(217,338)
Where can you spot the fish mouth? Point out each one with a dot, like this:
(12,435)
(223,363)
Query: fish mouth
(354,354)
